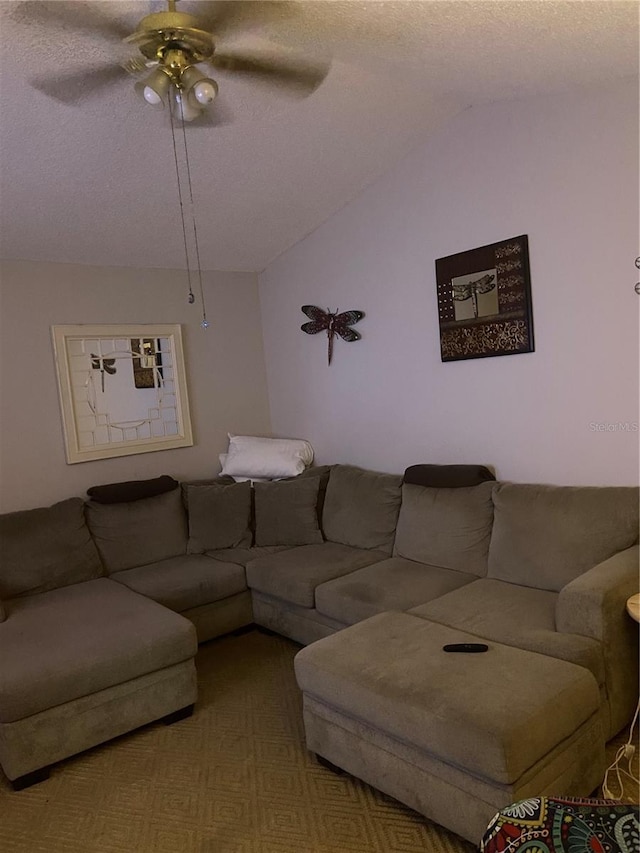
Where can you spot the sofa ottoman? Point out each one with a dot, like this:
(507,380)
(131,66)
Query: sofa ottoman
(83,664)
(454,736)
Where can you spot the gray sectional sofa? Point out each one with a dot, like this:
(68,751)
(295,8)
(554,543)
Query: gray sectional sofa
(103,603)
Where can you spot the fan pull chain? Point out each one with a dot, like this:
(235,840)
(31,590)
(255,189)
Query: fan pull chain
(191,297)
(205,322)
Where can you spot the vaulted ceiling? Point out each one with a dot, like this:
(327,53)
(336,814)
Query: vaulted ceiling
(89,179)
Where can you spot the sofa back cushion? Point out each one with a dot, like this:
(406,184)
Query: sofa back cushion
(361,508)
(46,548)
(139,532)
(446,527)
(286,512)
(219,516)
(545,536)
(323,472)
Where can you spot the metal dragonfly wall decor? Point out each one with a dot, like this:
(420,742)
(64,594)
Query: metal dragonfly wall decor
(334,323)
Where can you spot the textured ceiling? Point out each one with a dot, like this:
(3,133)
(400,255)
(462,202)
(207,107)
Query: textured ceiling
(93,182)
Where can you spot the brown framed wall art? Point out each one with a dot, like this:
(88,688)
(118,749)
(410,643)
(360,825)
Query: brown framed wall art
(484,301)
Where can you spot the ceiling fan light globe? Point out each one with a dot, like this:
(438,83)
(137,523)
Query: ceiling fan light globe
(151,96)
(205,91)
(187,109)
(199,90)
(155,88)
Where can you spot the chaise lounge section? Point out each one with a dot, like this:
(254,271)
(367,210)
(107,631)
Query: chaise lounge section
(83,658)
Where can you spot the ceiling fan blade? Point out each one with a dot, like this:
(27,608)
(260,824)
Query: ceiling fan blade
(228,17)
(79,85)
(293,72)
(94,18)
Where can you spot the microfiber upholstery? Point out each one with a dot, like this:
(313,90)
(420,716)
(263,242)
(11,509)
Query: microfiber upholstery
(515,616)
(546,536)
(448,527)
(138,532)
(391,672)
(593,605)
(361,508)
(293,575)
(182,583)
(286,512)
(393,584)
(242,556)
(323,472)
(212,481)
(104,635)
(46,548)
(219,517)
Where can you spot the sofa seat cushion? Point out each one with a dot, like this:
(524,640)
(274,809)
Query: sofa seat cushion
(545,536)
(446,527)
(139,532)
(294,574)
(60,645)
(242,556)
(46,548)
(185,582)
(393,584)
(473,711)
(515,616)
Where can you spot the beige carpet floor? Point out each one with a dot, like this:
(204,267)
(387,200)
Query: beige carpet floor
(233,778)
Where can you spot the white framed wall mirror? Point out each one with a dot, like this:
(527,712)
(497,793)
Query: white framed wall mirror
(123,390)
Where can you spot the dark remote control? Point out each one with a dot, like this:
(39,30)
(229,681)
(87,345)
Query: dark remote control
(466,647)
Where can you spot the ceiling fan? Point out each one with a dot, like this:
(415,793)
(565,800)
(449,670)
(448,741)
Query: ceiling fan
(171,46)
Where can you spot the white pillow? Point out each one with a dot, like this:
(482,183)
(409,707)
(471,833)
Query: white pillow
(266,458)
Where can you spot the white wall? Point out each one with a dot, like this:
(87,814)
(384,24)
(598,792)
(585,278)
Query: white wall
(224,364)
(562,169)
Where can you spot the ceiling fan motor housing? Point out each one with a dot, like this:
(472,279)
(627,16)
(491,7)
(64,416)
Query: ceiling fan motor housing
(162,31)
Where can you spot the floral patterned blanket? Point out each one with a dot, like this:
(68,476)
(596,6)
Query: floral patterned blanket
(564,825)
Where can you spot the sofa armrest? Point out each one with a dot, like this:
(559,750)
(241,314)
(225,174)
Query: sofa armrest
(594,605)
(595,601)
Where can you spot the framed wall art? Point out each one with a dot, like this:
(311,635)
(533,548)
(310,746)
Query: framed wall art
(484,301)
(123,390)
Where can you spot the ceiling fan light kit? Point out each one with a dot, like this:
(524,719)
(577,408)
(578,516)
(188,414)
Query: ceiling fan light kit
(190,88)
(176,73)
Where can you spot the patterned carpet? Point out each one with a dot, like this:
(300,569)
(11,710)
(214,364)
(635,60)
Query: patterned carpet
(233,778)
